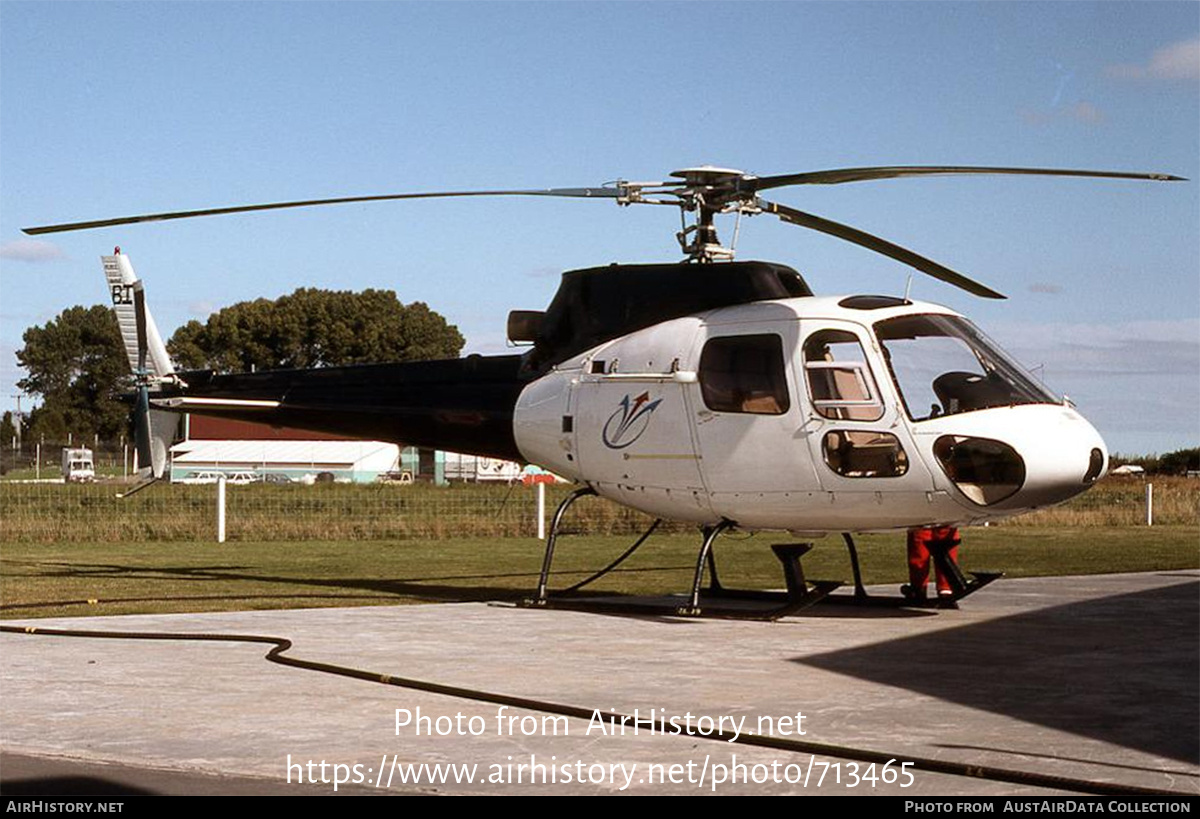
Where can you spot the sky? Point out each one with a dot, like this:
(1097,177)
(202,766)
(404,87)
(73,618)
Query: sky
(114,109)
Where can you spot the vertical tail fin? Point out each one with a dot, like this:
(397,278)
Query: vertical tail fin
(155,430)
(118,270)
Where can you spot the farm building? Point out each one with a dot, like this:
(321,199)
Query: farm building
(217,445)
(213,446)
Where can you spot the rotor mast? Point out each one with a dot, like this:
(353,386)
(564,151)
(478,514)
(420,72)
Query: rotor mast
(707,191)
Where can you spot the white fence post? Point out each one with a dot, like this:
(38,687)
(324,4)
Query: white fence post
(1149,504)
(541,510)
(221,509)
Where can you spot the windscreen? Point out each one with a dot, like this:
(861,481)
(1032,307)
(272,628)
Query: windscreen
(944,365)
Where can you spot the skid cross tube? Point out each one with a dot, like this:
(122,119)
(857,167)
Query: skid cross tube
(540,598)
(714,582)
(710,535)
(860,591)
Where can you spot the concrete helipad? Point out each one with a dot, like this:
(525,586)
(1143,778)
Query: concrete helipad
(1090,678)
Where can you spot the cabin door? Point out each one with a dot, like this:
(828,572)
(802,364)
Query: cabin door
(754,456)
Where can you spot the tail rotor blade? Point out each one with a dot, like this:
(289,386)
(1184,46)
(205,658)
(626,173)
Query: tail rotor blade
(141,429)
(139,312)
(153,433)
(151,448)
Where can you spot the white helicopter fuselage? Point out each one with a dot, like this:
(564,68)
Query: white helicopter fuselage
(808,414)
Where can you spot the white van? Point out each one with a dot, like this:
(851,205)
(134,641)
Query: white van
(77,465)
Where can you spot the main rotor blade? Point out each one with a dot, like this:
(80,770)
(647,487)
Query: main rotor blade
(883,246)
(839,175)
(585,193)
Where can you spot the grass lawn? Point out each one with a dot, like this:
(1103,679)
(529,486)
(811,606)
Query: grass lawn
(52,579)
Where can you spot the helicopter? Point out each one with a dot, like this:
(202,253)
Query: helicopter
(712,391)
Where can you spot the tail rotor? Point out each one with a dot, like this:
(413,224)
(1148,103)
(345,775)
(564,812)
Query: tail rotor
(151,452)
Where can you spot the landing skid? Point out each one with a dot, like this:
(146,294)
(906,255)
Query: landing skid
(717,601)
(714,600)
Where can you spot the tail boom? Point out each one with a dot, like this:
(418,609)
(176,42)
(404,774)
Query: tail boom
(460,405)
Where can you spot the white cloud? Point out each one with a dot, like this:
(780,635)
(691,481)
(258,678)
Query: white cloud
(1138,382)
(33,251)
(1115,347)
(1178,61)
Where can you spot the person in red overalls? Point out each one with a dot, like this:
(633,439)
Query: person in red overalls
(919,559)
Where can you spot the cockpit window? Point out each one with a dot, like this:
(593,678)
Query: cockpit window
(944,365)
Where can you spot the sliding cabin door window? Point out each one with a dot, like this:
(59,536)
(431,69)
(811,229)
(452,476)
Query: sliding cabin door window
(744,374)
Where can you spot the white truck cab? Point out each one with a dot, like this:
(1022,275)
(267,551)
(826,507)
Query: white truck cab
(78,465)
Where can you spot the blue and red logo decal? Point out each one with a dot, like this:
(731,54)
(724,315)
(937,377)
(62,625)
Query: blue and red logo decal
(630,420)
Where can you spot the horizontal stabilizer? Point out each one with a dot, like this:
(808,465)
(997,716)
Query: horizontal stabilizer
(213,405)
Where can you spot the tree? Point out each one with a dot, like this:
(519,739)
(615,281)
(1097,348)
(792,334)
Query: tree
(315,328)
(1180,461)
(8,429)
(77,364)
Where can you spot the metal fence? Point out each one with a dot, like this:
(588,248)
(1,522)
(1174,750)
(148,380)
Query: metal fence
(44,512)
(36,506)
(41,459)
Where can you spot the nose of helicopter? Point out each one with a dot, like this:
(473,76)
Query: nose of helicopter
(1028,457)
(1061,460)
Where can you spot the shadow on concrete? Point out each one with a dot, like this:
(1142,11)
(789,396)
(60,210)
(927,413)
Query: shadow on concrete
(27,775)
(1122,669)
(70,786)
